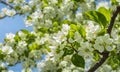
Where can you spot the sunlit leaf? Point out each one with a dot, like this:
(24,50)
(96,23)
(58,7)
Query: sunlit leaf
(105,12)
(97,17)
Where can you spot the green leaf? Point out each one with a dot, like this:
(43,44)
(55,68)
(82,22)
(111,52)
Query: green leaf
(17,7)
(81,1)
(1,55)
(70,34)
(97,17)
(78,60)
(29,18)
(68,51)
(102,32)
(25,31)
(96,56)
(59,70)
(81,30)
(17,38)
(114,2)
(73,27)
(43,29)
(105,12)
(33,46)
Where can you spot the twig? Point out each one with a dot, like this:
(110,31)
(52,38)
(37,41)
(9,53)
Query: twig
(7,4)
(113,20)
(72,46)
(105,54)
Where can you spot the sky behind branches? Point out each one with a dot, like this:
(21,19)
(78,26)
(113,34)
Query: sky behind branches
(12,25)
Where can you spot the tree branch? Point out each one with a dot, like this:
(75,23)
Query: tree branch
(7,4)
(72,46)
(105,54)
(113,20)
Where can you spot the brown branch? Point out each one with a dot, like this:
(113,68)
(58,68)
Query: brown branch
(105,54)
(72,46)
(113,20)
(7,4)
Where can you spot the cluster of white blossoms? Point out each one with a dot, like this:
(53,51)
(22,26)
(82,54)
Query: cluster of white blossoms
(103,43)
(8,12)
(92,30)
(59,31)
(61,35)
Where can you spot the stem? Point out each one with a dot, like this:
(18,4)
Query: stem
(72,46)
(7,4)
(113,20)
(105,54)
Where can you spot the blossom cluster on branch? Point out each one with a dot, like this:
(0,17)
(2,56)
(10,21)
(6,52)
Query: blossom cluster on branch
(67,36)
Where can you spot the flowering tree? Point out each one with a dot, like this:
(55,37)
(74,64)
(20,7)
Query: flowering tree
(71,35)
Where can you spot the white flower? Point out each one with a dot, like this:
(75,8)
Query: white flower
(22,44)
(37,14)
(4,10)
(63,63)
(7,49)
(48,22)
(104,42)
(28,23)
(78,16)
(10,36)
(27,70)
(99,48)
(65,28)
(10,12)
(26,8)
(36,54)
(2,14)
(109,48)
(60,37)
(18,1)
(118,0)
(21,34)
(3,65)
(9,1)
(91,30)
(21,47)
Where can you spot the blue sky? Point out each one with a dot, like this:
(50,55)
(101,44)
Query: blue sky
(11,24)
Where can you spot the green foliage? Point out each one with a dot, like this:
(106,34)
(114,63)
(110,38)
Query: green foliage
(114,2)
(114,60)
(1,56)
(78,60)
(68,51)
(33,46)
(81,1)
(97,17)
(102,32)
(81,30)
(105,12)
